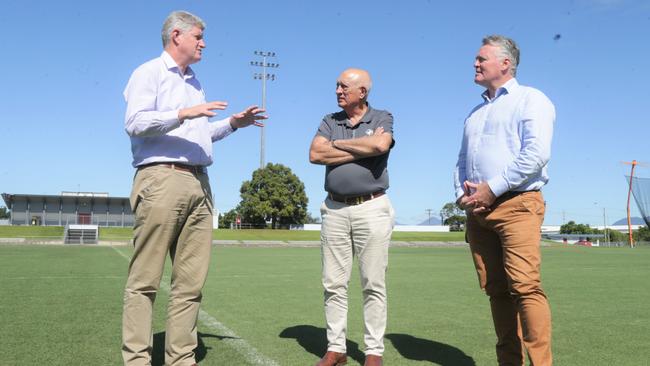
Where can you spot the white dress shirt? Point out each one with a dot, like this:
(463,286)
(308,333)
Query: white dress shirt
(507,141)
(154,94)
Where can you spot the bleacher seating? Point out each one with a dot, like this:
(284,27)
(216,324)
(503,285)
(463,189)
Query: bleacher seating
(81,234)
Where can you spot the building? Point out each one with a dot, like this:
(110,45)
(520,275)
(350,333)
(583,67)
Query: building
(84,208)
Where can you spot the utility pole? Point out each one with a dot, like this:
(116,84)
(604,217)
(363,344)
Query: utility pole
(605,225)
(634,163)
(428,211)
(629,193)
(263,76)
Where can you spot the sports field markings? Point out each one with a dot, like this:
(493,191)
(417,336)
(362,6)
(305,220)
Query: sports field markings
(250,353)
(64,278)
(257,276)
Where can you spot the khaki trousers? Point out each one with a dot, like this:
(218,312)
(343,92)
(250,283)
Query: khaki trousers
(505,245)
(364,230)
(173,214)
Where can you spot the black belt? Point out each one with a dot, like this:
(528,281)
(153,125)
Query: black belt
(194,169)
(355,200)
(511,194)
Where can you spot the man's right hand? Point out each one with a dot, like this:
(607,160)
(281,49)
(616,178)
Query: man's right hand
(465,203)
(201,110)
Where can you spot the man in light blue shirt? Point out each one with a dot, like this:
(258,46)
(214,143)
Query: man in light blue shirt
(171,140)
(501,168)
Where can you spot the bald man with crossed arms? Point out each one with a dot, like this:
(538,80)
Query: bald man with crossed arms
(358,217)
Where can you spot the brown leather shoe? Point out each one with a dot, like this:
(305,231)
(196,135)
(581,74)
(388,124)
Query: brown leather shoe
(333,359)
(373,360)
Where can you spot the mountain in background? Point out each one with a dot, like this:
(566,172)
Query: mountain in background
(433,221)
(635,221)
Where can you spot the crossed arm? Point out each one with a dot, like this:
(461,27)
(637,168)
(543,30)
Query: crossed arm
(326,152)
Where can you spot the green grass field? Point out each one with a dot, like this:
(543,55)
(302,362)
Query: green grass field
(61,305)
(124,234)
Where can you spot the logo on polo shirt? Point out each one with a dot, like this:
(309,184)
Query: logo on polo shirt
(369,132)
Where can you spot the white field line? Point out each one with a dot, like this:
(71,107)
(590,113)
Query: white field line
(252,355)
(64,278)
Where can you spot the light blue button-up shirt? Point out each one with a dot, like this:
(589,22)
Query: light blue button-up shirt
(507,141)
(154,94)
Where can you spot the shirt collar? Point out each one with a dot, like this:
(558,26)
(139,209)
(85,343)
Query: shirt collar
(367,117)
(507,88)
(173,66)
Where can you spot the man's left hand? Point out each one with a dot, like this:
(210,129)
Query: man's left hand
(482,197)
(250,116)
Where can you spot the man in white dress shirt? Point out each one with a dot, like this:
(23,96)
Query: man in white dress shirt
(171,140)
(500,171)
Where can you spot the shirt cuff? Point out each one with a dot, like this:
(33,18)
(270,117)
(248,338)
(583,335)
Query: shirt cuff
(221,129)
(170,119)
(498,185)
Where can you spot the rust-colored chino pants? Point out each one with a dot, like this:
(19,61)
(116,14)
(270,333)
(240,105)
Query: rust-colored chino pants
(173,214)
(505,246)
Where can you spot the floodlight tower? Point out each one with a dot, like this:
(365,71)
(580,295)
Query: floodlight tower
(264,76)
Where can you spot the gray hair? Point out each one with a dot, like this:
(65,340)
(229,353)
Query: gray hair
(182,21)
(508,49)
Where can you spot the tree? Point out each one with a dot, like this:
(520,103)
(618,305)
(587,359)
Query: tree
(572,228)
(617,236)
(311,219)
(274,193)
(643,234)
(452,215)
(226,219)
(4,213)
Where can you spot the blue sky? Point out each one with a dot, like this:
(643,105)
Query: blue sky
(65,65)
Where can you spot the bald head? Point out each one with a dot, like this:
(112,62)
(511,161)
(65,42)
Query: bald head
(357,78)
(352,88)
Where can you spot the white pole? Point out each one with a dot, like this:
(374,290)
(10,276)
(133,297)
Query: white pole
(262,132)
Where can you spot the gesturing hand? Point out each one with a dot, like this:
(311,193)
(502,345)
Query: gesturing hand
(247,117)
(201,110)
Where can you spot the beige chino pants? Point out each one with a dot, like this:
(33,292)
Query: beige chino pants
(505,245)
(173,214)
(363,230)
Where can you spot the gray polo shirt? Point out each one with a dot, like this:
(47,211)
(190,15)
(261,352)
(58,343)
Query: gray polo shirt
(363,176)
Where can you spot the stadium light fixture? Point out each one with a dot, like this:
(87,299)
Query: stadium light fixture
(264,76)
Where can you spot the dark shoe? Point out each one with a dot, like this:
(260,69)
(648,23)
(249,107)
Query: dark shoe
(333,359)
(373,360)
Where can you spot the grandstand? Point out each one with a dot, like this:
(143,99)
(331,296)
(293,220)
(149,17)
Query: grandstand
(69,208)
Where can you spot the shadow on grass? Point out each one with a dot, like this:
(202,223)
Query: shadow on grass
(158,353)
(314,341)
(419,349)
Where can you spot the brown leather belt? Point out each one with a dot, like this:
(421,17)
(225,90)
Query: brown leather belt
(355,200)
(194,169)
